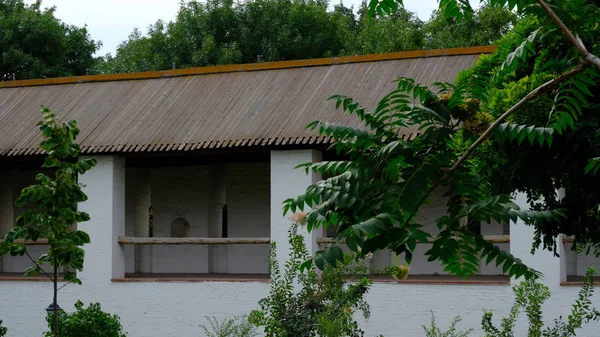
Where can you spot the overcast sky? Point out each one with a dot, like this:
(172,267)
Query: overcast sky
(111,21)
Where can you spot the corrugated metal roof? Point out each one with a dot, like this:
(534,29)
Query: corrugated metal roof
(213,107)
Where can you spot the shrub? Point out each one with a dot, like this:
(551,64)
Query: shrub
(231,327)
(303,303)
(530,296)
(435,331)
(86,322)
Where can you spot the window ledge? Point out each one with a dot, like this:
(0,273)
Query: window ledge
(264,278)
(446,279)
(18,277)
(186,278)
(575,284)
(577,281)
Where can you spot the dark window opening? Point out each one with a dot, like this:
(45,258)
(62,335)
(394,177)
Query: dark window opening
(224,233)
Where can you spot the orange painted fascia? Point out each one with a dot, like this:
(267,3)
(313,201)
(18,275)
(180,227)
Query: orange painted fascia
(251,67)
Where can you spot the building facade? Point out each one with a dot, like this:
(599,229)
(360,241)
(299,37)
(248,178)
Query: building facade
(193,167)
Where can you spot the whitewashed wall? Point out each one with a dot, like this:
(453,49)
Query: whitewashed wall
(177,308)
(166,309)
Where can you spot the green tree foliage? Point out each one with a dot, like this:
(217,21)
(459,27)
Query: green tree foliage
(562,119)
(223,32)
(3,330)
(374,34)
(86,322)
(373,196)
(488,25)
(530,297)
(55,200)
(35,44)
(542,106)
(303,303)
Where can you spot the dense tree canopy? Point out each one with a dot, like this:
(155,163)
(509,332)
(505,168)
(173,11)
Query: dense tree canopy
(523,119)
(34,43)
(568,112)
(224,32)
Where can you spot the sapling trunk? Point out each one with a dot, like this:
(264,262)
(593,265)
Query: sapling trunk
(55,301)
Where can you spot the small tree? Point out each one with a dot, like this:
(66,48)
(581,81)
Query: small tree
(55,213)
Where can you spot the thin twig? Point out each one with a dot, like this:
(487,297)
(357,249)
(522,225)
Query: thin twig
(533,94)
(576,42)
(64,285)
(39,267)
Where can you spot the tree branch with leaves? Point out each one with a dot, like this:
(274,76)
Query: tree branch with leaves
(373,195)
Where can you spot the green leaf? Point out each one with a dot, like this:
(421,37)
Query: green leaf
(333,255)
(592,166)
(319,260)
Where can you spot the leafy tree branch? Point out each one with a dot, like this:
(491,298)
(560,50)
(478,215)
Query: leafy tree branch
(591,58)
(531,95)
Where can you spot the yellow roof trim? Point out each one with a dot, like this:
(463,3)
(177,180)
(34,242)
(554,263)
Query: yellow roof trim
(250,67)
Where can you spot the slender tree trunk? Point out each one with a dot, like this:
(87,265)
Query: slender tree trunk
(55,302)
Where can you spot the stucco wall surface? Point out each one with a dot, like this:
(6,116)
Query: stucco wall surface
(176,309)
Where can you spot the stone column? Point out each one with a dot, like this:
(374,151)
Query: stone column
(544,261)
(143,201)
(105,188)
(287,182)
(217,254)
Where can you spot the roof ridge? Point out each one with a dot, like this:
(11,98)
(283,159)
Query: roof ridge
(251,67)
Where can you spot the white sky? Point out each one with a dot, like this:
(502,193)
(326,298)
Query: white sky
(111,21)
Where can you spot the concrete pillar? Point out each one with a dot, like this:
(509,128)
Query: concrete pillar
(217,198)
(105,188)
(143,201)
(6,203)
(544,261)
(6,207)
(287,182)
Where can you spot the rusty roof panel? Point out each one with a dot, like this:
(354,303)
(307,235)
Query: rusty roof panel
(212,110)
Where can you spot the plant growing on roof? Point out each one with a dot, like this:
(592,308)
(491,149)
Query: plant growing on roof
(55,199)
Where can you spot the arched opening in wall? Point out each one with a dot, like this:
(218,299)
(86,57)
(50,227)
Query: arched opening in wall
(180,228)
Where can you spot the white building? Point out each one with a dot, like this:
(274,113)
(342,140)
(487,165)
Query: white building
(205,157)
